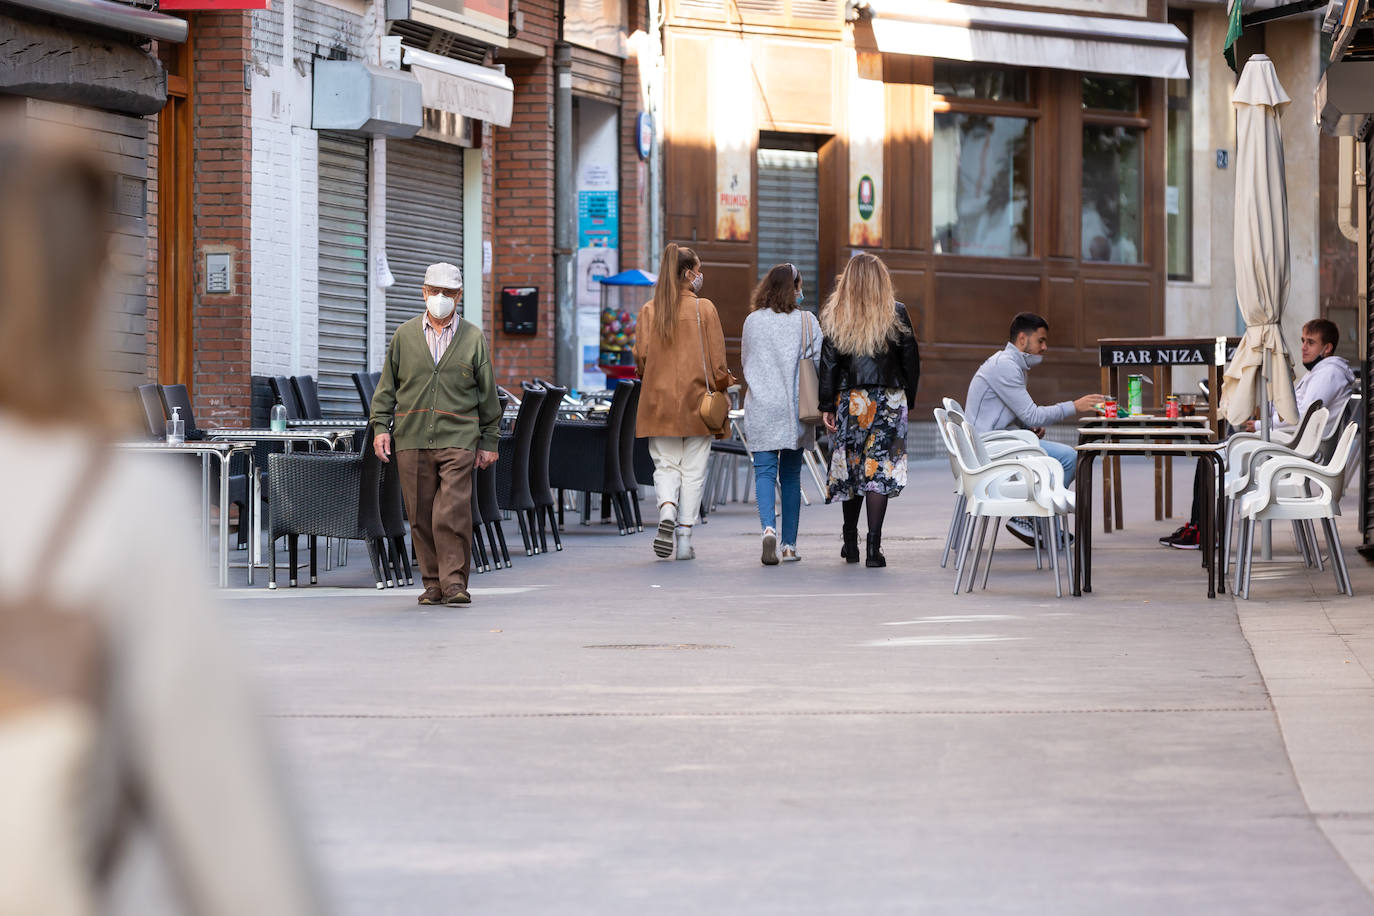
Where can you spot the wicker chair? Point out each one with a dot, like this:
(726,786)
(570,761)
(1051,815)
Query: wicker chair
(366,389)
(178,398)
(282,390)
(151,401)
(627,456)
(393,513)
(586,456)
(513,466)
(326,494)
(307,396)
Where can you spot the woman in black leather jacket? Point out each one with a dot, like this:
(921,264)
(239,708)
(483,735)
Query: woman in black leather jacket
(870,365)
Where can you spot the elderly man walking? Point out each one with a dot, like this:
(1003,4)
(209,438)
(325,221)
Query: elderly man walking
(438,387)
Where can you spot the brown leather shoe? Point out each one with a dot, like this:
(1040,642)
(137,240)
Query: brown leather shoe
(432,595)
(454,595)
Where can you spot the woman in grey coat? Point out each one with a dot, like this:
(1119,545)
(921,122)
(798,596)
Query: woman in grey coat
(777,336)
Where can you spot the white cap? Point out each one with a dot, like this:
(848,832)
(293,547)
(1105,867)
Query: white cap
(443,276)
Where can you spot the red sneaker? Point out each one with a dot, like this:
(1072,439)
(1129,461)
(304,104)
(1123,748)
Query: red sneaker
(1188,538)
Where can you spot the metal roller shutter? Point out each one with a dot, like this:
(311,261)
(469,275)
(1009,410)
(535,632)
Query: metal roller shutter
(424,219)
(789,214)
(342,271)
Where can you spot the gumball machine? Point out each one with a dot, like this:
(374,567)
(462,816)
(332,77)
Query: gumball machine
(621,298)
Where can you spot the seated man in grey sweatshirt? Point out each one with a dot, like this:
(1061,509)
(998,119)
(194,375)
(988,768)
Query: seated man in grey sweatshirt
(998,399)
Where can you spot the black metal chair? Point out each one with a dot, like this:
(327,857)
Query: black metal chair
(307,397)
(178,398)
(586,456)
(366,388)
(326,494)
(393,514)
(513,466)
(627,455)
(151,402)
(282,390)
(545,503)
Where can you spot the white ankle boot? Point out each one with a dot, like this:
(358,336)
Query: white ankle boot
(663,537)
(684,543)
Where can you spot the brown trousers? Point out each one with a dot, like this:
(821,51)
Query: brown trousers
(436,484)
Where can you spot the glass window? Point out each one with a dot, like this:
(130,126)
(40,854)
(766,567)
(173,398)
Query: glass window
(980,188)
(1178,168)
(1112,193)
(955,79)
(1111,93)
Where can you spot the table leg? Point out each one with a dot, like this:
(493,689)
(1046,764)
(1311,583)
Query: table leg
(1219,520)
(1116,490)
(251,511)
(224,520)
(1107,495)
(1208,532)
(1159,489)
(205,503)
(1168,487)
(1083,523)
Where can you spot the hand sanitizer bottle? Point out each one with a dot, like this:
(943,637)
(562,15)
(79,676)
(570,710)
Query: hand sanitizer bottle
(278,417)
(176,428)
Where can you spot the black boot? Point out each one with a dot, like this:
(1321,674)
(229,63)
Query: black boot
(875,553)
(850,550)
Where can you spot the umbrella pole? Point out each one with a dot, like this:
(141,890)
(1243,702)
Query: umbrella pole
(1266,433)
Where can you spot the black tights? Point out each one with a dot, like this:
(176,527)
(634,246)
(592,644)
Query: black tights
(877,509)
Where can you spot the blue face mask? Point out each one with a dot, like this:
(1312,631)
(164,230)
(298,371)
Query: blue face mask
(800,297)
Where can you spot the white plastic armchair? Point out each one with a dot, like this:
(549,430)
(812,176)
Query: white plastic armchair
(1026,485)
(1249,454)
(1299,489)
(1286,436)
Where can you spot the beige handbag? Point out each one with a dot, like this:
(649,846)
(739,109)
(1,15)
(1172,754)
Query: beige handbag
(714,408)
(808,382)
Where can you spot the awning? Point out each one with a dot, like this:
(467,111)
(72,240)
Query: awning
(119,17)
(1092,44)
(352,96)
(462,89)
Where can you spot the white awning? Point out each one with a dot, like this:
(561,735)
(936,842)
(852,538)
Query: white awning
(462,89)
(1092,44)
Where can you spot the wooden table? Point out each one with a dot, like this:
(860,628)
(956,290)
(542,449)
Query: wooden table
(1213,511)
(1157,357)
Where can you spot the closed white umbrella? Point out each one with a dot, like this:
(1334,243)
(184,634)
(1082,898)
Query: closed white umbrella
(1261,251)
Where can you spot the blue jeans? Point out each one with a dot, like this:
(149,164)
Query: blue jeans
(769,468)
(1064,454)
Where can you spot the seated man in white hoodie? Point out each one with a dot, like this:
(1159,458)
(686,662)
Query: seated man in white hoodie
(998,399)
(1329,379)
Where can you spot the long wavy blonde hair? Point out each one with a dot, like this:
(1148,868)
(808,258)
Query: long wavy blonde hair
(859,317)
(672,272)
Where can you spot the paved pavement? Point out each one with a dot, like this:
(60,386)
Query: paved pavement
(605,733)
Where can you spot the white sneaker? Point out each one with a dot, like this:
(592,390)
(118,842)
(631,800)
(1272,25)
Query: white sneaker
(770,547)
(789,554)
(663,537)
(684,543)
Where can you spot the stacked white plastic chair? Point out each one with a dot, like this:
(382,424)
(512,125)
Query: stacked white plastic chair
(1030,485)
(1290,488)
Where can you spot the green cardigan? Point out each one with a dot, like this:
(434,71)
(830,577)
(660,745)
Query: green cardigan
(449,405)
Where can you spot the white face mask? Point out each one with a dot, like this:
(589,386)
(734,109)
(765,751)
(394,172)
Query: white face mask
(1032,359)
(696,283)
(440,306)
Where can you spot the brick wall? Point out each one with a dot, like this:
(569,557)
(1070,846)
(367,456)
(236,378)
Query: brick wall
(522,202)
(634,172)
(221,214)
(150,329)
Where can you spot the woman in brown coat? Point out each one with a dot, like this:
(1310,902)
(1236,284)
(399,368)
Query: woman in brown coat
(678,344)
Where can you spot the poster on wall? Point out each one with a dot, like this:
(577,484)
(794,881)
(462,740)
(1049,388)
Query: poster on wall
(866,126)
(598,226)
(733,129)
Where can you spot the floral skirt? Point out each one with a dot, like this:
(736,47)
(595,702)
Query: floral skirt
(869,454)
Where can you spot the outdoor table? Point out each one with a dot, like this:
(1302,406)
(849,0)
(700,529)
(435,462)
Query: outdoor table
(222,452)
(331,437)
(353,424)
(1156,357)
(1111,465)
(1212,512)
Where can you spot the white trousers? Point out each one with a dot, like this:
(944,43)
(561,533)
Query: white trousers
(680,472)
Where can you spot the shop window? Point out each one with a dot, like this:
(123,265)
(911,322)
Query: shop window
(954,79)
(981,184)
(1111,93)
(1178,166)
(1112,192)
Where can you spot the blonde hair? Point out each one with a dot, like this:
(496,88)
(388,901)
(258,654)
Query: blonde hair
(859,317)
(54,246)
(674,263)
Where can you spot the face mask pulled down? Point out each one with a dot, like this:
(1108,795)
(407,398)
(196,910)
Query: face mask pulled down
(440,306)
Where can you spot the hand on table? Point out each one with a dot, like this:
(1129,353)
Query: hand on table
(1088,402)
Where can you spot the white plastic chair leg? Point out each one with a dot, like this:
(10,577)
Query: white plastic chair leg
(1054,555)
(1311,531)
(992,548)
(1338,567)
(954,520)
(1035,529)
(965,540)
(977,554)
(1249,549)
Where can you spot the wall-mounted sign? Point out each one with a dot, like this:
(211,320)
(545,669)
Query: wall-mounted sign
(213,5)
(520,309)
(644,134)
(1164,353)
(867,118)
(734,131)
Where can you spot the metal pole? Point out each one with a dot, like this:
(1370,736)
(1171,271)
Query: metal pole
(566,358)
(1267,535)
